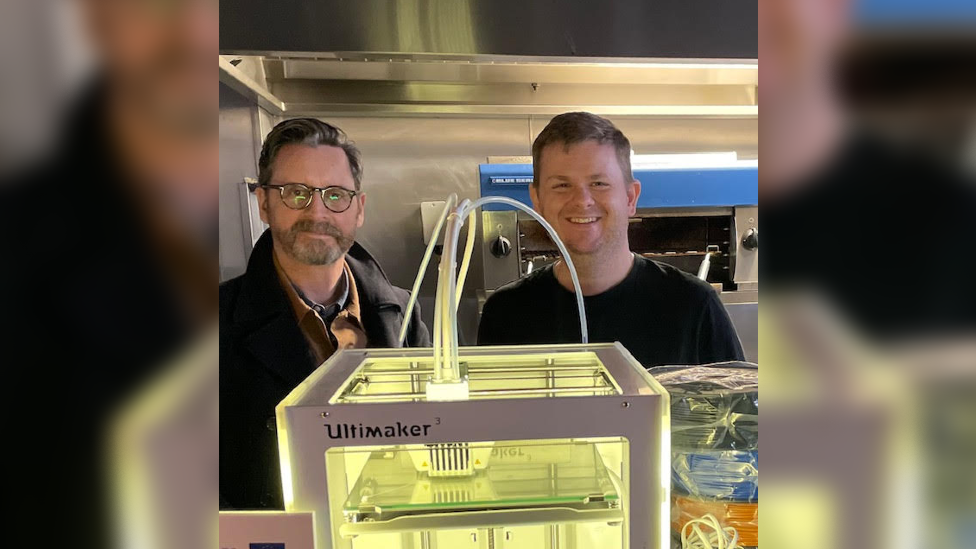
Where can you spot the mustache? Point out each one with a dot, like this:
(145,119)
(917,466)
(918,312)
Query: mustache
(317,227)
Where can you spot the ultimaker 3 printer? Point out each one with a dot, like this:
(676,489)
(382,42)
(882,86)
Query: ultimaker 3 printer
(554,447)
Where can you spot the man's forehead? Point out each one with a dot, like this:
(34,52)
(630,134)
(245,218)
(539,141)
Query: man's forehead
(311,157)
(590,156)
(317,165)
(312,153)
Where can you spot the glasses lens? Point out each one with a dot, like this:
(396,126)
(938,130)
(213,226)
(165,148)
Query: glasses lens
(337,199)
(296,196)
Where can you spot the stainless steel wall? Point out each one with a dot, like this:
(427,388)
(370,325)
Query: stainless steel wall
(237,160)
(411,160)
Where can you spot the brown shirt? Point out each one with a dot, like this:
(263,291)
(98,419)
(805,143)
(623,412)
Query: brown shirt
(346,329)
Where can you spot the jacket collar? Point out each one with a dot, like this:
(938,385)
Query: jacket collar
(374,286)
(263,297)
(265,315)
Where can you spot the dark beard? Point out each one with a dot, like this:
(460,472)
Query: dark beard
(314,252)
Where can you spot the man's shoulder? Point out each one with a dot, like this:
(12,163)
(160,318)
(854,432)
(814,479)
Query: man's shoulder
(524,289)
(375,288)
(661,278)
(231,286)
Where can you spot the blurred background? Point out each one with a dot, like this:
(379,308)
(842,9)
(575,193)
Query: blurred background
(108,204)
(868,324)
(112,193)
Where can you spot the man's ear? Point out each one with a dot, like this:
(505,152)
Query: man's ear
(633,193)
(361,215)
(262,195)
(534,197)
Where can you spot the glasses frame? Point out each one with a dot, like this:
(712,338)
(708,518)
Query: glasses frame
(313,190)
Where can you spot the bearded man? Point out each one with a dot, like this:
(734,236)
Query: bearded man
(309,290)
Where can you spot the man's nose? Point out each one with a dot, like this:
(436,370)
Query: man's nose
(582,196)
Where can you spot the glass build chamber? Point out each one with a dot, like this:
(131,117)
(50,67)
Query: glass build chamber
(553,447)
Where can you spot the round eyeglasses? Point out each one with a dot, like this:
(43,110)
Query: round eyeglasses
(298,196)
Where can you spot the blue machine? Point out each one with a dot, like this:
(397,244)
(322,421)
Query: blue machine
(660,188)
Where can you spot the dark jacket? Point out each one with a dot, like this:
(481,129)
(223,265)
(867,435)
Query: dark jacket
(263,356)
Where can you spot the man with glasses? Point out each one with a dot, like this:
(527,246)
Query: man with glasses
(309,290)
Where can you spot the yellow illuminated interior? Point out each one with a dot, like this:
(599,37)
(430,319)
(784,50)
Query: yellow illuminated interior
(404,379)
(557,493)
(517,494)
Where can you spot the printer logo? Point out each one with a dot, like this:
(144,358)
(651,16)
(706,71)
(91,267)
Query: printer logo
(358,430)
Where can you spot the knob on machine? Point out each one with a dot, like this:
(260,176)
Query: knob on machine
(501,247)
(751,240)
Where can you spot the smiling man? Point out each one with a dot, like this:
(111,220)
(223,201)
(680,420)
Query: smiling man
(309,290)
(583,186)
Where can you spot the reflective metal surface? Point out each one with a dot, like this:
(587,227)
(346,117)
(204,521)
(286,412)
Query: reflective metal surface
(500,270)
(746,260)
(251,86)
(662,28)
(494,85)
(745,318)
(510,69)
(237,161)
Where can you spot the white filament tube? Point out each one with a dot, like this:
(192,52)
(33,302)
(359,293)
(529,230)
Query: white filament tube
(423,267)
(559,243)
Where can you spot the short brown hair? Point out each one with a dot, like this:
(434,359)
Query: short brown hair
(311,132)
(576,127)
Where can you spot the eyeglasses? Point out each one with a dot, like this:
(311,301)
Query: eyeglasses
(298,196)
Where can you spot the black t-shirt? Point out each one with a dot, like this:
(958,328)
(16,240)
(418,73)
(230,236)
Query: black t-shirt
(886,235)
(659,313)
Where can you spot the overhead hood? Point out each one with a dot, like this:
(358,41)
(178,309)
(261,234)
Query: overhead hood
(492,57)
(404,85)
(675,29)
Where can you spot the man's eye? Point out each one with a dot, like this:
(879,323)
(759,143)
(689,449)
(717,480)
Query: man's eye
(600,184)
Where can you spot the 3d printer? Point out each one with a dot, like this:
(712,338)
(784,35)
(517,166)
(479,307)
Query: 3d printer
(486,447)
